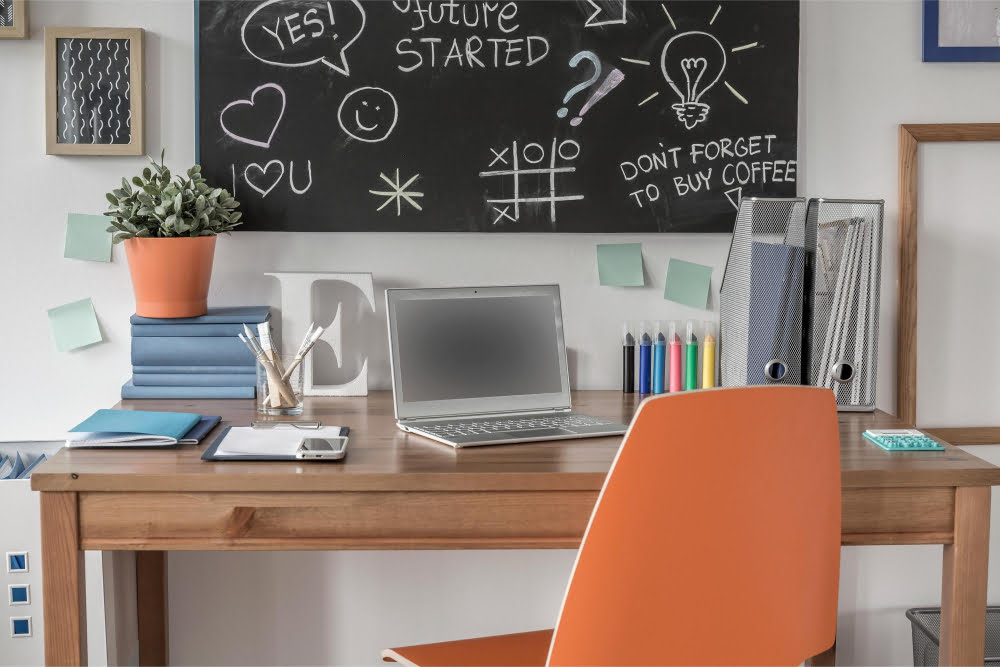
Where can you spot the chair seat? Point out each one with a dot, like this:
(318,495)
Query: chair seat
(523,649)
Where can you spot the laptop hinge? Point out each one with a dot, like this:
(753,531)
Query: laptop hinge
(477,415)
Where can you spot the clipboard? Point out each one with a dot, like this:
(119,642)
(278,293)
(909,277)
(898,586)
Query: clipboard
(283,438)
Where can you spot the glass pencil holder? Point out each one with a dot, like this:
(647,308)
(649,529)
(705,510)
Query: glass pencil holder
(279,386)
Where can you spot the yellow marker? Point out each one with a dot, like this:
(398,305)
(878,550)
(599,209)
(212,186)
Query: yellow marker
(708,359)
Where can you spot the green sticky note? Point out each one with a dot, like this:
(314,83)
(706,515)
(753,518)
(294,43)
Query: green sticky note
(74,325)
(87,238)
(620,264)
(688,283)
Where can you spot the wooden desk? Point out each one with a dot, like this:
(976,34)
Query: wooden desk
(398,491)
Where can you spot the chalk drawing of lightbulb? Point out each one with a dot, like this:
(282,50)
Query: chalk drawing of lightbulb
(692,62)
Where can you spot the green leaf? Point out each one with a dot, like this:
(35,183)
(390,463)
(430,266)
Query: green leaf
(165,205)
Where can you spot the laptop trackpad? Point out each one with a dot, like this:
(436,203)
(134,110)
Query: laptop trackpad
(540,433)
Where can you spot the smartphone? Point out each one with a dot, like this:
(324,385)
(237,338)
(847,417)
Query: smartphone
(322,448)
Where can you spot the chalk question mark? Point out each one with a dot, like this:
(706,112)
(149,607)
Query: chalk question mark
(573,62)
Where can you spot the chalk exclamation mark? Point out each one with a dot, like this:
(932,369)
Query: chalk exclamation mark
(606,87)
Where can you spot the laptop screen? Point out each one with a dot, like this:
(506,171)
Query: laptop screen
(477,350)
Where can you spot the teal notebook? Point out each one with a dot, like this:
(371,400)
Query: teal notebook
(111,427)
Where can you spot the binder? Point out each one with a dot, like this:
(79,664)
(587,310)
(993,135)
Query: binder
(761,298)
(776,272)
(841,330)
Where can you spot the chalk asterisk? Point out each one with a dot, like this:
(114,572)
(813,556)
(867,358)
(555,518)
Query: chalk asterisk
(398,193)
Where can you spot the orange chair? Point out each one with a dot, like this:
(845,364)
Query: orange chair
(715,541)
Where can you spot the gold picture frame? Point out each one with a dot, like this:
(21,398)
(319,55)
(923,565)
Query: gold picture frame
(94,110)
(20,28)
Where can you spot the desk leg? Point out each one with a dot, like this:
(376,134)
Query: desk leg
(151,590)
(64,601)
(963,596)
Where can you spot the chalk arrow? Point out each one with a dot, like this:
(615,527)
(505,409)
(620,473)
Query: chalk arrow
(607,17)
(734,200)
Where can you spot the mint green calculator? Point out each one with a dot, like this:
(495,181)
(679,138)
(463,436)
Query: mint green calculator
(903,440)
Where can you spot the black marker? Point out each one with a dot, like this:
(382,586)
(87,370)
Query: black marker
(628,361)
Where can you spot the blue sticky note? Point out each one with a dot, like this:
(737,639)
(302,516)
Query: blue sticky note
(688,283)
(74,325)
(19,595)
(87,238)
(20,627)
(620,264)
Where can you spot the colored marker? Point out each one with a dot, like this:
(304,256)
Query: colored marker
(645,350)
(708,358)
(628,361)
(691,359)
(659,359)
(675,359)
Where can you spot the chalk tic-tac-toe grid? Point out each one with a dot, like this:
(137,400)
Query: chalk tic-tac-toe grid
(528,161)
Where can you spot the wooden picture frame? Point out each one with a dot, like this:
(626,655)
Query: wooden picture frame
(81,123)
(20,28)
(910,137)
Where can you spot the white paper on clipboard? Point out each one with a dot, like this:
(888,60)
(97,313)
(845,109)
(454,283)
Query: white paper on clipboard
(247,441)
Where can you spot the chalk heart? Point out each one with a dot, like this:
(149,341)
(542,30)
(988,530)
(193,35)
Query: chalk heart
(256,172)
(247,113)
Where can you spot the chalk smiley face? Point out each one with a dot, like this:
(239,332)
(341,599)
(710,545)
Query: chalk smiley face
(368,114)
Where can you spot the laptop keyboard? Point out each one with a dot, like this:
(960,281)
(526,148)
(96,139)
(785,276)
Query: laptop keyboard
(511,424)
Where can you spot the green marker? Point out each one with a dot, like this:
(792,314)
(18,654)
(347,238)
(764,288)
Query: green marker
(691,359)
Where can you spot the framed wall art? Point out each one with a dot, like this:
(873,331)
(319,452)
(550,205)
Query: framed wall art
(13,19)
(961,31)
(93,91)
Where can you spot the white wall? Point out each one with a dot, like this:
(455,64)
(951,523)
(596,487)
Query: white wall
(861,76)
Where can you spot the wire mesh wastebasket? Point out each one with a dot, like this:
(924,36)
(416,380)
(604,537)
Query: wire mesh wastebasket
(925,622)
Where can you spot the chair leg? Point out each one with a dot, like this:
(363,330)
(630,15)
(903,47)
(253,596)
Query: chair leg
(827,658)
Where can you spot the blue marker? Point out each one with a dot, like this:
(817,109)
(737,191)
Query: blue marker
(659,359)
(645,345)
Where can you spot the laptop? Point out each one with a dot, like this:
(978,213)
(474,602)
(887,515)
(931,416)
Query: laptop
(483,366)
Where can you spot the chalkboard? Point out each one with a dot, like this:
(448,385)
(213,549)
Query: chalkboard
(530,116)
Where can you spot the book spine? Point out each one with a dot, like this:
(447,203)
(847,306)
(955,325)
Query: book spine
(189,330)
(190,351)
(251,315)
(198,370)
(194,379)
(130,390)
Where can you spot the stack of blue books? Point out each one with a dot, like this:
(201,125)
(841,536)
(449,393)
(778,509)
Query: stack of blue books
(194,357)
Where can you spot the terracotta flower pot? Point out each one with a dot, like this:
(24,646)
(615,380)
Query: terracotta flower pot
(170,276)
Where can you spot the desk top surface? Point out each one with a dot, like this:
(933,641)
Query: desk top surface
(382,458)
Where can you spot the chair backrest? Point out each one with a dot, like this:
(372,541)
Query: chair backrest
(716,538)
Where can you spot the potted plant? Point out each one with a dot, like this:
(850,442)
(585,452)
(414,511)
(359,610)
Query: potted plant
(169,224)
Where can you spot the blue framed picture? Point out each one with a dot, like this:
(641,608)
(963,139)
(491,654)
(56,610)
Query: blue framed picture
(961,31)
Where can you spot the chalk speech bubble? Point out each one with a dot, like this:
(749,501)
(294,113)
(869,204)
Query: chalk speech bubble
(297,33)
